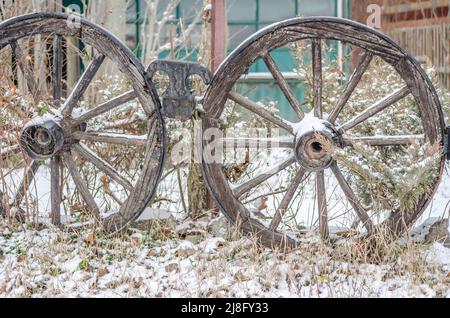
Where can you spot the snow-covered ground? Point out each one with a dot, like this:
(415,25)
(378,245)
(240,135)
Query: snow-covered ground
(203,259)
(206,258)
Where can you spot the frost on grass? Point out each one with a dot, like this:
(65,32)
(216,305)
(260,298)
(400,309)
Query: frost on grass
(158,263)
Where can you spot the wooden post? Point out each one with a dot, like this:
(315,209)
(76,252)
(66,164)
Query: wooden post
(218,47)
(218,33)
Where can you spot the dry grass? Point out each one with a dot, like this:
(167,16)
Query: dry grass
(160,262)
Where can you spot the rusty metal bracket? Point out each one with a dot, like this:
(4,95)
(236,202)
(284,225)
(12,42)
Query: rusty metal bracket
(178,101)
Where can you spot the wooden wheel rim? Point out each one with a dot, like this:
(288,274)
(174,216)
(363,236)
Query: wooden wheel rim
(279,34)
(108,45)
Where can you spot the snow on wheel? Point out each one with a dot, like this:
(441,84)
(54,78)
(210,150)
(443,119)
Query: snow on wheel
(65,154)
(346,166)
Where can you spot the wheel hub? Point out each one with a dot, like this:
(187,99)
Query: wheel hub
(314,142)
(42,138)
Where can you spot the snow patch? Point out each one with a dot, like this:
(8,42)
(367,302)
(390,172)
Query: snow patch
(439,254)
(152,214)
(308,124)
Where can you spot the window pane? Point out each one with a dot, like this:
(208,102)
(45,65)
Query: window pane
(241,10)
(167,31)
(130,35)
(314,7)
(131,10)
(238,33)
(194,37)
(189,9)
(274,11)
(162,6)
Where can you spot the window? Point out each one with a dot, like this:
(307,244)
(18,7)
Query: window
(248,16)
(273,11)
(182,16)
(188,9)
(314,7)
(243,11)
(245,17)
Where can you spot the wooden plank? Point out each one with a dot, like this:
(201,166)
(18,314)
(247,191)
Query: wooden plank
(57,67)
(105,107)
(80,184)
(55,189)
(376,108)
(383,140)
(102,165)
(261,111)
(412,24)
(317,76)
(415,6)
(322,205)
(252,183)
(352,199)
(283,84)
(287,198)
(25,183)
(82,84)
(359,71)
(263,143)
(218,33)
(112,138)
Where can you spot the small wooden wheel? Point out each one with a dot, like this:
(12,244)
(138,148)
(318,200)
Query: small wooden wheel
(365,158)
(65,151)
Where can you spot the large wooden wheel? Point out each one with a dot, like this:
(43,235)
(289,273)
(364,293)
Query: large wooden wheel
(337,171)
(66,150)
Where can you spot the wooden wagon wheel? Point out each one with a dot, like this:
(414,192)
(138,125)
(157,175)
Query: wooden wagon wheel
(329,135)
(62,152)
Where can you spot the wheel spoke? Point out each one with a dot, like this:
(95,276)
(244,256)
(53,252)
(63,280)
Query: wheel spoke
(244,142)
(322,204)
(384,140)
(105,107)
(287,198)
(359,71)
(377,107)
(57,67)
(112,138)
(250,184)
(351,197)
(24,66)
(82,85)
(24,186)
(283,84)
(261,111)
(56,189)
(102,165)
(317,76)
(79,183)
